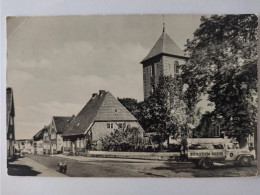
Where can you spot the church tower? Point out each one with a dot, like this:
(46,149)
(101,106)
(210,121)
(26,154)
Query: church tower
(164,59)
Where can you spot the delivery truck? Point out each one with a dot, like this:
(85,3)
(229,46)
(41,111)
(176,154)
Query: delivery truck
(203,152)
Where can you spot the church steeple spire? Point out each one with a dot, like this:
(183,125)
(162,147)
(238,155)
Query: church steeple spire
(162,60)
(163,24)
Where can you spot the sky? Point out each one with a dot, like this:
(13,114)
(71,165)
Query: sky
(55,63)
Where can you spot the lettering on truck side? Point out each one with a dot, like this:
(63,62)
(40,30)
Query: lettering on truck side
(206,154)
(199,154)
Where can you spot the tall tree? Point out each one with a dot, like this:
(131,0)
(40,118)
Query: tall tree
(223,64)
(165,111)
(130,104)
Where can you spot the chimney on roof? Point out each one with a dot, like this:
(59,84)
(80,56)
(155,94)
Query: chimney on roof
(101,92)
(94,95)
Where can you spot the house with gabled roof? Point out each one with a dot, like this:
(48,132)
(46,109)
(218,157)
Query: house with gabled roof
(58,125)
(38,144)
(102,114)
(10,130)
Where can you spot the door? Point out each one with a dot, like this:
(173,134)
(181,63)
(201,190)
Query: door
(231,151)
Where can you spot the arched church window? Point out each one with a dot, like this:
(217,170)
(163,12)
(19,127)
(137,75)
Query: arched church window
(217,131)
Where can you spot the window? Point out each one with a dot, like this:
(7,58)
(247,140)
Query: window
(152,70)
(120,125)
(250,138)
(109,125)
(77,143)
(11,121)
(217,131)
(82,143)
(53,136)
(158,68)
(218,146)
(176,67)
(230,146)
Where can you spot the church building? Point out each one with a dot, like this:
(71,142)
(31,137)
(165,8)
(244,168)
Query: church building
(164,59)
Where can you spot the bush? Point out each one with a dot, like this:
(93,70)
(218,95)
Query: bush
(122,140)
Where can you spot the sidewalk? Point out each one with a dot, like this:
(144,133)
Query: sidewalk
(87,158)
(161,156)
(96,159)
(39,169)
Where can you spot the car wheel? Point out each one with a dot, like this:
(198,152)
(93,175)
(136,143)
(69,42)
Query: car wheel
(206,163)
(245,161)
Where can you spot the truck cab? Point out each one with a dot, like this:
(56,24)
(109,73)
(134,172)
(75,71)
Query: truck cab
(203,152)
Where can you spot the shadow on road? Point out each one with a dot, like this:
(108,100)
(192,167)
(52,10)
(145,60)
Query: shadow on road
(176,167)
(21,170)
(219,170)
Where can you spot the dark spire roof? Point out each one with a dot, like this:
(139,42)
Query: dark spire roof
(165,45)
(101,107)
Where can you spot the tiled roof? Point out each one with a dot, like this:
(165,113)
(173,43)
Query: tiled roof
(62,123)
(9,104)
(165,45)
(102,107)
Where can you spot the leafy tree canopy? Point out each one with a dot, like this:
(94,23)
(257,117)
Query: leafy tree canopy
(223,64)
(165,111)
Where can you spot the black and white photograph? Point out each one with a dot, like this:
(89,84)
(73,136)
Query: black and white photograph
(132,96)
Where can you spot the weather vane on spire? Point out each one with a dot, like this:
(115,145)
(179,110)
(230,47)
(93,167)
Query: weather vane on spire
(163,24)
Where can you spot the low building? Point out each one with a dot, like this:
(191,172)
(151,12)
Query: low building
(58,125)
(25,146)
(38,144)
(100,116)
(10,128)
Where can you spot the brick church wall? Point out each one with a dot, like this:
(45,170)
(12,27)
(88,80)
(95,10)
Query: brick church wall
(162,66)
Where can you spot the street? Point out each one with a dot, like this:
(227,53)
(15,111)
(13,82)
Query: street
(113,167)
(28,167)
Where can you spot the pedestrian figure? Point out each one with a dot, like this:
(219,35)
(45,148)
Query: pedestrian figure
(62,166)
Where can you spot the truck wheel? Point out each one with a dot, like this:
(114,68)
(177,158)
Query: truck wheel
(245,161)
(206,163)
